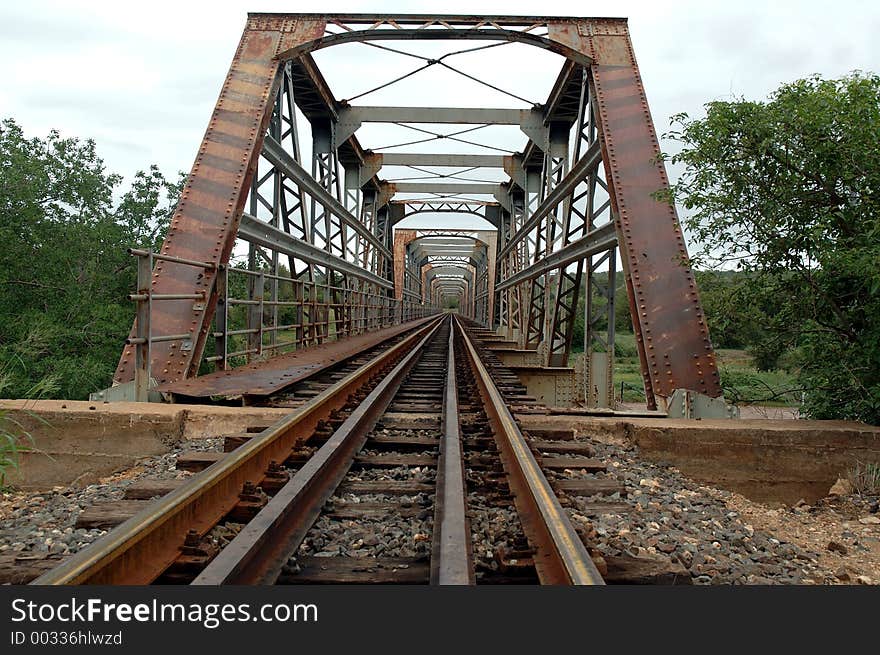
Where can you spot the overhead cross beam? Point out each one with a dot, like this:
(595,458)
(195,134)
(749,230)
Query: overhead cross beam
(442,160)
(532,122)
(437,115)
(458,188)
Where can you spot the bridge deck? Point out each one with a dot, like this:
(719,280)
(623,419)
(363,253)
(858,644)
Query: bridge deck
(270,376)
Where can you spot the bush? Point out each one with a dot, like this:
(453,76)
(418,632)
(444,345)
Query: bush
(787,189)
(64,270)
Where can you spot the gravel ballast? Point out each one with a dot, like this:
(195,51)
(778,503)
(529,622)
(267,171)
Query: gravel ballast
(44,522)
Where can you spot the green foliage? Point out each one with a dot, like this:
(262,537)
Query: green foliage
(788,190)
(64,270)
(747,385)
(625,346)
(719,291)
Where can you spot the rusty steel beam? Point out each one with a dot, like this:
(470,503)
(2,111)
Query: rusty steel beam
(205,222)
(666,305)
(557,39)
(431,19)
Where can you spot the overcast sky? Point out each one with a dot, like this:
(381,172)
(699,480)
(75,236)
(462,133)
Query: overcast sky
(141,78)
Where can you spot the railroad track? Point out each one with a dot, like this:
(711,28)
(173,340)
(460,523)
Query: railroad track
(404,465)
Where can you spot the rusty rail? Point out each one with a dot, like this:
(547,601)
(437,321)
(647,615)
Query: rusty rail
(139,550)
(560,556)
(452,556)
(258,553)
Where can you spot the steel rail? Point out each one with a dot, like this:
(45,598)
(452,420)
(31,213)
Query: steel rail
(260,550)
(560,556)
(143,547)
(452,550)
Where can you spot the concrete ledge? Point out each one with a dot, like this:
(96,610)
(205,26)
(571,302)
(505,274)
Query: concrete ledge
(765,460)
(79,442)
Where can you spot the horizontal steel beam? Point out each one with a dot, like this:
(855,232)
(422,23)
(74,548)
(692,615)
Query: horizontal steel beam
(453,115)
(465,249)
(574,177)
(602,238)
(419,19)
(444,202)
(446,187)
(253,230)
(447,240)
(449,269)
(446,251)
(451,159)
(281,159)
(530,121)
(486,210)
(448,34)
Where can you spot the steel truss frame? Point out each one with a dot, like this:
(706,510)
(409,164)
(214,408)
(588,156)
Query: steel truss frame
(324,260)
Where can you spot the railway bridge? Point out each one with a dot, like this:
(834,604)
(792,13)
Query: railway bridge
(292,232)
(396,290)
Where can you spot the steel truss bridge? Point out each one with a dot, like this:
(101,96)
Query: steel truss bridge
(282,243)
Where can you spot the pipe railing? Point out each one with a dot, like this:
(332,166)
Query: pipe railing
(322,311)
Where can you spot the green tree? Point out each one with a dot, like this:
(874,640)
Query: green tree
(64,270)
(789,190)
(146,208)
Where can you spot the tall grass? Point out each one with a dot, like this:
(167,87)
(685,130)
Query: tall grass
(15,440)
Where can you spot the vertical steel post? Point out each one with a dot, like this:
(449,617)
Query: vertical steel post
(143,350)
(261,312)
(612,294)
(222,318)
